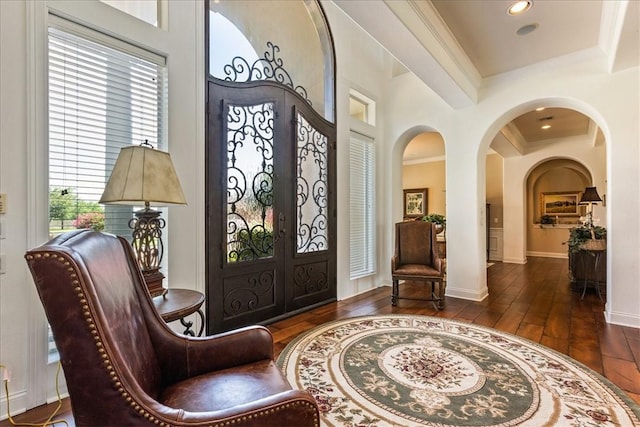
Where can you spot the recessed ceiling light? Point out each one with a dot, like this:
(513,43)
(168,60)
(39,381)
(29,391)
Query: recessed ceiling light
(519,7)
(540,108)
(545,127)
(523,31)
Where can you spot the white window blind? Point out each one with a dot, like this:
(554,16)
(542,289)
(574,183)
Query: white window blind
(101,98)
(362,234)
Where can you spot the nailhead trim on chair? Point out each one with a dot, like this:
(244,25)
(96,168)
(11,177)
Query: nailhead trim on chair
(96,336)
(114,376)
(269,411)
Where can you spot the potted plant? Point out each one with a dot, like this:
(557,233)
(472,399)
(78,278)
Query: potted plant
(546,219)
(579,235)
(437,219)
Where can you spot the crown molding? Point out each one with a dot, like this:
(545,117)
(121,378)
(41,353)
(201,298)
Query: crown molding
(379,20)
(611,24)
(422,160)
(425,23)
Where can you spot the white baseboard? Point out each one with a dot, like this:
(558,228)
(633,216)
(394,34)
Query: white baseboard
(514,260)
(622,319)
(562,255)
(17,403)
(465,294)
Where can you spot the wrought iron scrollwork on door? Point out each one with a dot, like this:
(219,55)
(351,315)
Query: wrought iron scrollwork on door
(312,196)
(270,67)
(249,182)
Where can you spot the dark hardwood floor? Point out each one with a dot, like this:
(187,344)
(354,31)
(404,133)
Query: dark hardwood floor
(534,301)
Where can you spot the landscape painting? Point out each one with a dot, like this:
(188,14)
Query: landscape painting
(560,203)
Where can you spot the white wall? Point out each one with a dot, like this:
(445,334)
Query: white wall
(362,64)
(413,108)
(467,133)
(16,292)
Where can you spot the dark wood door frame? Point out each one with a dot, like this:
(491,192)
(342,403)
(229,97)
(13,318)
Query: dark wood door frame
(292,280)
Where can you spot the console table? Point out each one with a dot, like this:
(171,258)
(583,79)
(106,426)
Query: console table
(592,268)
(441,245)
(588,266)
(176,304)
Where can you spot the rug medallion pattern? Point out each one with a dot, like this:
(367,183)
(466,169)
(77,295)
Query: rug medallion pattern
(400,370)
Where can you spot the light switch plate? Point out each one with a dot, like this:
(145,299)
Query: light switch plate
(3,263)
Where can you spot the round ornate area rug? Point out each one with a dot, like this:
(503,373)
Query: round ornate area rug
(400,370)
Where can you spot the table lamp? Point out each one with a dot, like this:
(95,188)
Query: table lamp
(143,175)
(589,197)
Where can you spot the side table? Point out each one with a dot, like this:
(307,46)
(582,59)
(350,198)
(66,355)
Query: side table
(176,304)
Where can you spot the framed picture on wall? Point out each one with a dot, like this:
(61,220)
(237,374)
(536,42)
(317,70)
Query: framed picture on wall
(415,203)
(560,203)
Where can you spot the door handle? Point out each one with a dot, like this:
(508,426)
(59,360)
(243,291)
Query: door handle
(281,229)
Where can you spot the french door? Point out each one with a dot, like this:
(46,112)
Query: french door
(270,205)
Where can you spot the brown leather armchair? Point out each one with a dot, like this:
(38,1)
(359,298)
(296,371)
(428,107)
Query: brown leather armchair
(125,367)
(416,258)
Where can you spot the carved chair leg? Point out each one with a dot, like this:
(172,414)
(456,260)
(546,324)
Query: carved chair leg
(440,295)
(394,292)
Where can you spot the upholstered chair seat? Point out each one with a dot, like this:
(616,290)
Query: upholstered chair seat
(416,270)
(125,367)
(203,392)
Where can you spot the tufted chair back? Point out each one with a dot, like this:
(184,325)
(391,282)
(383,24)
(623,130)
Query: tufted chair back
(416,243)
(125,367)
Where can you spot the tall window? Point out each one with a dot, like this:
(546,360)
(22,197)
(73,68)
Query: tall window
(362,232)
(103,95)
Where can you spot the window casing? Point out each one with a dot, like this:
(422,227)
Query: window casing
(148,11)
(362,108)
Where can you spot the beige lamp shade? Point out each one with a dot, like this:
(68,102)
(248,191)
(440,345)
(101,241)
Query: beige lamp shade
(143,174)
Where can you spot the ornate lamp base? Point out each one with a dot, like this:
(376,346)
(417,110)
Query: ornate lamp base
(153,279)
(147,244)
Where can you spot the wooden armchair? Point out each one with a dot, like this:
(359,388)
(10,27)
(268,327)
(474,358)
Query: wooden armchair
(416,258)
(125,367)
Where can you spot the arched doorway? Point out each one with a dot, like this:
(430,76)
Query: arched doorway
(424,175)
(533,160)
(424,166)
(270,162)
(552,187)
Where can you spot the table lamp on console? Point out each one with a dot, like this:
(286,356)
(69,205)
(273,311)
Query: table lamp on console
(589,198)
(143,175)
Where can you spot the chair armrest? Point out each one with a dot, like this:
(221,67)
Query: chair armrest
(184,356)
(394,263)
(289,408)
(228,349)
